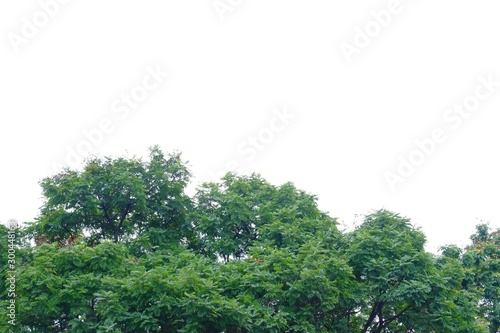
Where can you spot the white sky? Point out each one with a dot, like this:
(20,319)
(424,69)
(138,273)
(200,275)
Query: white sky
(350,121)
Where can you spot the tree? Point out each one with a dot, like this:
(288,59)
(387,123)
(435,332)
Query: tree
(119,247)
(482,263)
(228,215)
(399,287)
(117,199)
(57,285)
(171,292)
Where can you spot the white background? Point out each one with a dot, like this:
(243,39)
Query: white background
(228,72)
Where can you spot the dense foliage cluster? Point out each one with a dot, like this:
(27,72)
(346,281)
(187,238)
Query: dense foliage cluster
(120,247)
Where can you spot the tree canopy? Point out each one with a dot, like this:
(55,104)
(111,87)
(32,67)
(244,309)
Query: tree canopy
(120,247)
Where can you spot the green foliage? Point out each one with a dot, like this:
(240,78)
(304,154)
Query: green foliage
(57,285)
(398,285)
(119,247)
(116,199)
(482,262)
(229,215)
